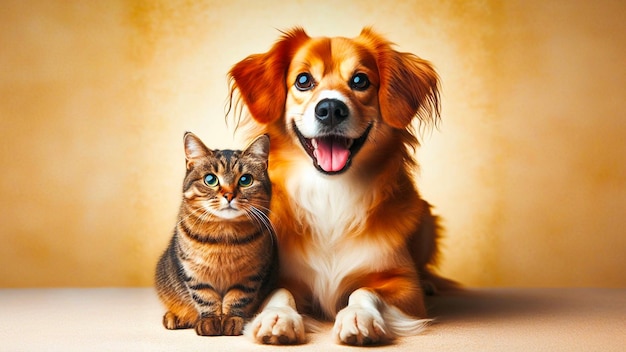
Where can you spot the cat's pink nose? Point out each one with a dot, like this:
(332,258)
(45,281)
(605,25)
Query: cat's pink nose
(229,196)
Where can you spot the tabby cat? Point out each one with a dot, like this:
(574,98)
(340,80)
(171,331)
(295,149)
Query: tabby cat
(221,261)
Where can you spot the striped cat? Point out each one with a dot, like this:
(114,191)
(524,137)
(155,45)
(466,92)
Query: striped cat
(222,260)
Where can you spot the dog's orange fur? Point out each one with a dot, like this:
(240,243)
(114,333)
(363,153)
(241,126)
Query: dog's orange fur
(326,224)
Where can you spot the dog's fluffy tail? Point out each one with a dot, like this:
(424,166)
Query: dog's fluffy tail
(312,325)
(400,324)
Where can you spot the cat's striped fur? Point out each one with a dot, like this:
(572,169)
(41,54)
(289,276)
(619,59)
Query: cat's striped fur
(222,260)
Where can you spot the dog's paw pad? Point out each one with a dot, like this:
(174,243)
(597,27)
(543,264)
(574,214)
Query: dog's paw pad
(360,326)
(277,326)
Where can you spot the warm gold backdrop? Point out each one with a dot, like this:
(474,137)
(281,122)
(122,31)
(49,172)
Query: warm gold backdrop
(528,168)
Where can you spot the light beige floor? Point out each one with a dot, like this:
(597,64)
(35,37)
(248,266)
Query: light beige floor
(116,319)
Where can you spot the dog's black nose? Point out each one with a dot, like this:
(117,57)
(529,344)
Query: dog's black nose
(331,112)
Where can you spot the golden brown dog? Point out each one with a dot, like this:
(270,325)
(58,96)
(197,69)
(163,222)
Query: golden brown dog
(354,236)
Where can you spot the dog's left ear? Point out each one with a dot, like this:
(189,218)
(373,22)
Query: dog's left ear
(409,86)
(260,78)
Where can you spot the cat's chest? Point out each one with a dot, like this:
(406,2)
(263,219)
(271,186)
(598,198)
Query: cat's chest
(220,265)
(215,256)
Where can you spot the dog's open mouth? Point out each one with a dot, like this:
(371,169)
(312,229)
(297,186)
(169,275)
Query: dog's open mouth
(332,154)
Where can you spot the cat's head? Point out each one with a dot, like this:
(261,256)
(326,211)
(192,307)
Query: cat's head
(226,184)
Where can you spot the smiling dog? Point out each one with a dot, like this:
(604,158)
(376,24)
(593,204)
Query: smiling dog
(356,241)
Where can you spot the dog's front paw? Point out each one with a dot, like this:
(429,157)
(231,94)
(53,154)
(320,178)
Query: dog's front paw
(357,325)
(277,326)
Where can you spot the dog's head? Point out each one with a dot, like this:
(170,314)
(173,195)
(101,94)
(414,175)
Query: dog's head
(336,96)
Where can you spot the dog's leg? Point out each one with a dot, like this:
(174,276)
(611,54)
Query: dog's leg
(369,320)
(278,322)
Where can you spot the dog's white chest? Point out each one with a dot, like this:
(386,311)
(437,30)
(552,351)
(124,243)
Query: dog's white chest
(325,266)
(333,207)
(335,215)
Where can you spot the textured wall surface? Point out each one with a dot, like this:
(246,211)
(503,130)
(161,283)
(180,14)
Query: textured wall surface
(528,168)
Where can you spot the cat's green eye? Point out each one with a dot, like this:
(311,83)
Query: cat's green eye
(211,180)
(245,180)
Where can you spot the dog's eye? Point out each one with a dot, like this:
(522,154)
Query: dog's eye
(304,81)
(360,81)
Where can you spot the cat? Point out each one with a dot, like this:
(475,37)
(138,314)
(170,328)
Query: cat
(221,261)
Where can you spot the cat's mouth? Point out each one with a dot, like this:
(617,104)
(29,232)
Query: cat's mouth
(332,154)
(230,213)
(226,211)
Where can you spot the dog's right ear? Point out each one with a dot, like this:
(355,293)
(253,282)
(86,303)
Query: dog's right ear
(409,86)
(261,78)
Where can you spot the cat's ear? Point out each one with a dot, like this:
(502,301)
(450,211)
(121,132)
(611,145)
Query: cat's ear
(260,147)
(194,149)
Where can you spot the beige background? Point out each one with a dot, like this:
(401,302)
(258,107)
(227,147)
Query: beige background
(528,168)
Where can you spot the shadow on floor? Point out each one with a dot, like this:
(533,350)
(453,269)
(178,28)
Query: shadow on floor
(494,304)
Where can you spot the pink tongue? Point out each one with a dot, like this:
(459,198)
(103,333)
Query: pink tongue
(332,154)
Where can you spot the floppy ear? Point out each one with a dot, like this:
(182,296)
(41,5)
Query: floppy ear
(409,86)
(260,78)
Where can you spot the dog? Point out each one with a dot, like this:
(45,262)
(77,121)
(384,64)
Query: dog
(356,241)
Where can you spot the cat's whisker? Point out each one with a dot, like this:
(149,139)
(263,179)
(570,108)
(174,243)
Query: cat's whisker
(252,218)
(263,220)
(188,216)
(257,205)
(260,216)
(201,214)
(265,210)
(250,215)
(204,217)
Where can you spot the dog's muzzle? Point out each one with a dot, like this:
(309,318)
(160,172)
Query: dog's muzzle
(331,112)
(331,153)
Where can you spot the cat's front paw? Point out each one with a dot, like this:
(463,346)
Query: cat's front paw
(232,326)
(277,326)
(356,325)
(209,326)
(171,322)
